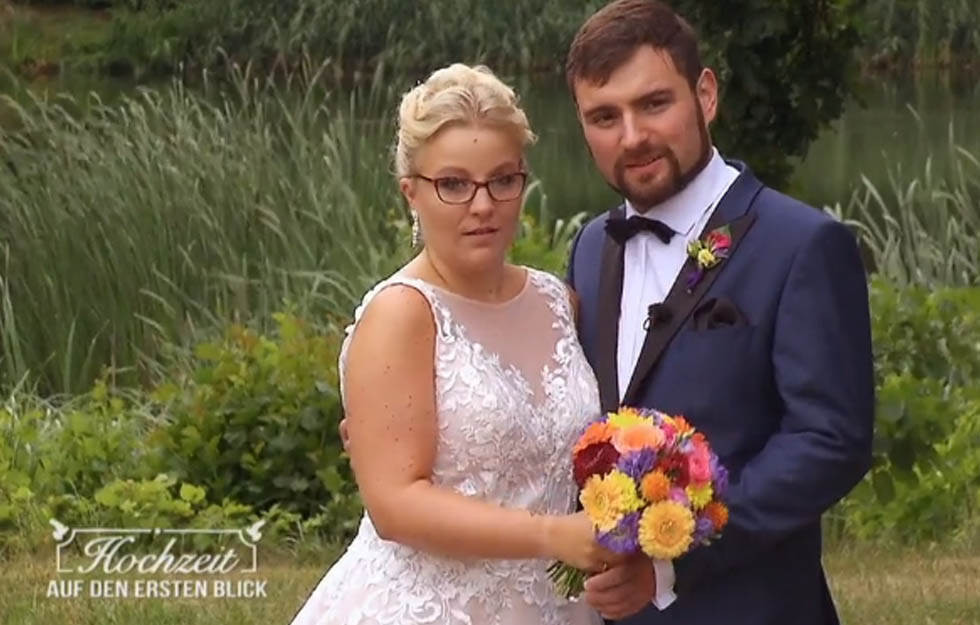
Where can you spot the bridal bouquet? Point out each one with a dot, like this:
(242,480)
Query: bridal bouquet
(648,481)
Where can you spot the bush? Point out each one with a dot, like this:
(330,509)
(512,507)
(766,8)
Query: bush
(255,419)
(926,474)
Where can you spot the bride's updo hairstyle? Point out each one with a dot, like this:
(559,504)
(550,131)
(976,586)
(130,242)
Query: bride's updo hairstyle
(458,94)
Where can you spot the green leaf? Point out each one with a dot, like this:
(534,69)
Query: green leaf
(191,493)
(884,487)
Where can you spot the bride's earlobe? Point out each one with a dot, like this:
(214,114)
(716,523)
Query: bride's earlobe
(407,187)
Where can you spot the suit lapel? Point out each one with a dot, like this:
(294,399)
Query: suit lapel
(733,210)
(607,336)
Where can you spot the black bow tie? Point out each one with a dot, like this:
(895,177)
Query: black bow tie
(622,229)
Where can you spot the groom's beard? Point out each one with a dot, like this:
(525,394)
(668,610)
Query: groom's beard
(642,197)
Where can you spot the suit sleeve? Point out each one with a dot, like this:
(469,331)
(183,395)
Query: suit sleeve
(570,270)
(823,368)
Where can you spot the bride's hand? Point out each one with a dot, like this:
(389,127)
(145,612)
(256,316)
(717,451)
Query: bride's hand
(571,539)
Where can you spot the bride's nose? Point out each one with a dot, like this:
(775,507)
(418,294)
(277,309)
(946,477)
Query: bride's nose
(482,204)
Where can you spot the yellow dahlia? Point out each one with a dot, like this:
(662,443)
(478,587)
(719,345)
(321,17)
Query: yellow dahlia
(666,530)
(606,499)
(700,495)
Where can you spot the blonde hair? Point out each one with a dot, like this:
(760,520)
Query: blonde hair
(458,94)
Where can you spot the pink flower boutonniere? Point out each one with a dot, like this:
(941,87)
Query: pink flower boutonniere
(707,253)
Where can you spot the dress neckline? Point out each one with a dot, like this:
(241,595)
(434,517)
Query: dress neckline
(478,302)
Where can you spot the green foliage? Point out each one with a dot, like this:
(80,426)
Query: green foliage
(925,480)
(255,418)
(542,242)
(899,33)
(786,66)
(786,69)
(135,226)
(925,333)
(932,495)
(924,229)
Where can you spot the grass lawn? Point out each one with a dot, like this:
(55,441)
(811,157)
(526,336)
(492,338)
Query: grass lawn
(872,587)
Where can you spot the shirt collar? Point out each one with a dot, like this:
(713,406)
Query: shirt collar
(683,210)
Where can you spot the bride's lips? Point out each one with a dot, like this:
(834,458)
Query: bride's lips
(484,231)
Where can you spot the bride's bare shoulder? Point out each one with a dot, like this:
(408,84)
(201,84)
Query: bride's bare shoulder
(398,312)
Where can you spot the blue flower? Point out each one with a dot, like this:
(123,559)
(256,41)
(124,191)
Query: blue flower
(704,529)
(623,537)
(637,464)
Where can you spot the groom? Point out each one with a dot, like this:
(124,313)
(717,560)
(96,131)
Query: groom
(763,343)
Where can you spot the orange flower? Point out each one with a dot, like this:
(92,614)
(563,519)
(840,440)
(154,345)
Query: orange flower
(683,427)
(637,437)
(717,513)
(598,432)
(655,486)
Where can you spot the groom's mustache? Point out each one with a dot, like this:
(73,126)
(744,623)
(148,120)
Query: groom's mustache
(643,153)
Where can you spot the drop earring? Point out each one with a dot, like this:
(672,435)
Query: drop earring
(416,235)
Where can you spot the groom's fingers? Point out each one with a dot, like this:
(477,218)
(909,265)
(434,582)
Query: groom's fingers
(622,590)
(608,580)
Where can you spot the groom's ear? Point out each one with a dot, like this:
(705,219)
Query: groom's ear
(706,91)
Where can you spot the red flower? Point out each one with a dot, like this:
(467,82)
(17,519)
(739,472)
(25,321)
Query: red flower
(718,239)
(596,459)
(675,466)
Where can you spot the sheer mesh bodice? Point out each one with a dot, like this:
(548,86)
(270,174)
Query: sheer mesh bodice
(513,392)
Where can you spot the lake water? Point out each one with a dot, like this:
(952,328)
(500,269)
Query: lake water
(891,125)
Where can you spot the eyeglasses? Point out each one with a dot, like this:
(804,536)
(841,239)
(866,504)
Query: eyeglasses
(455,190)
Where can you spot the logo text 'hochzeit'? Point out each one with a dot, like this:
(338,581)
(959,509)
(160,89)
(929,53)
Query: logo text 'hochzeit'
(122,554)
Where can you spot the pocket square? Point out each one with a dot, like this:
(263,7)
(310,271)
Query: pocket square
(718,312)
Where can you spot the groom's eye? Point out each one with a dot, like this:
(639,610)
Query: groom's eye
(603,119)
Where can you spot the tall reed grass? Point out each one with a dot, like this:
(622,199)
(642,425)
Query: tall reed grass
(922,32)
(130,227)
(922,229)
(129,230)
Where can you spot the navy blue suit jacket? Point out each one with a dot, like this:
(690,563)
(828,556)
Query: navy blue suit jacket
(780,381)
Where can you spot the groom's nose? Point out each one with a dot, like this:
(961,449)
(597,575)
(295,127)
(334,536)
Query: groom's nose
(634,134)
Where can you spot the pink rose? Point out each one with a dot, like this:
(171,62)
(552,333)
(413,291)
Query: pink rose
(699,465)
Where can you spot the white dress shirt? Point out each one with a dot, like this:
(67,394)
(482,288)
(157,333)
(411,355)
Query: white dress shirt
(650,268)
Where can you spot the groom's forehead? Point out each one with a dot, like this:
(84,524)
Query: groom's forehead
(644,73)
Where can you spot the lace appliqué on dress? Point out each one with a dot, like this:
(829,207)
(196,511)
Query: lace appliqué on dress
(498,440)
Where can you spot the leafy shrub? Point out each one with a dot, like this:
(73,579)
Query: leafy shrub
(928,334)
(925,484)
(926,473)
(255,419)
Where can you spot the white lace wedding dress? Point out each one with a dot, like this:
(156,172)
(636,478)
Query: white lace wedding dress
(513,392)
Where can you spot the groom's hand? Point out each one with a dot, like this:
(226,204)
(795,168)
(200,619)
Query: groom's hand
(624,589)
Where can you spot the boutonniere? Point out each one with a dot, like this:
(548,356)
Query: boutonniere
(707,253)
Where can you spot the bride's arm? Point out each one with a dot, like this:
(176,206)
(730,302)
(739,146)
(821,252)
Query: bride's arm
(391,422)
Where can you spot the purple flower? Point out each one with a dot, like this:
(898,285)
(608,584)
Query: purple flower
(720,474)
(624,537)
(637,464)
(693,278)
(678,495)
(704,529)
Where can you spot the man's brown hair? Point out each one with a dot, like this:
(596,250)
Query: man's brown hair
(613,34)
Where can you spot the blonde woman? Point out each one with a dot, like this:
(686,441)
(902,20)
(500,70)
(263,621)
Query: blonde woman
(464,388)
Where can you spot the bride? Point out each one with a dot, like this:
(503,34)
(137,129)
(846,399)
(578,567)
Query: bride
(465,388)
